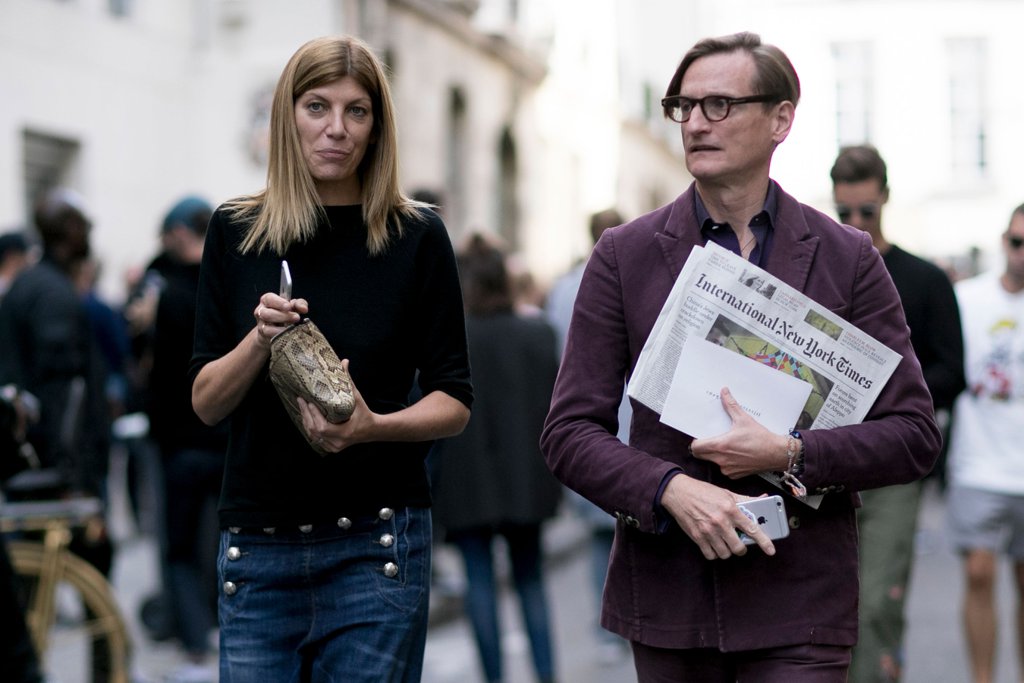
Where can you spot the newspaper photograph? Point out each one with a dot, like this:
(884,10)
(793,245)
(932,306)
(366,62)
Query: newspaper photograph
(721,300)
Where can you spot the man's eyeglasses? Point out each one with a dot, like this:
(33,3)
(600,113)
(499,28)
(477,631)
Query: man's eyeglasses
(1015,241)
(714,107)
(866,211)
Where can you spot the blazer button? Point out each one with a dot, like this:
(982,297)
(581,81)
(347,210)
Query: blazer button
(230,588)
(794,522)
(386,514)
(234,553)
(344,523)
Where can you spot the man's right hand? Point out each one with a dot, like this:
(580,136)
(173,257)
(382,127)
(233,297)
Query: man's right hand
(708,514)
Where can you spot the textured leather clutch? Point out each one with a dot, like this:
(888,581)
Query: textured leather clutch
(302,363)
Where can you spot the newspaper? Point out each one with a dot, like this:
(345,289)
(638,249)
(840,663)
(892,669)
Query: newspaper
(720,299)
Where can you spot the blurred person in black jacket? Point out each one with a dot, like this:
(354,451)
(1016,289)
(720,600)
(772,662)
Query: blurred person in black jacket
(887,519)
(191,452)
(50,351)
(495,481)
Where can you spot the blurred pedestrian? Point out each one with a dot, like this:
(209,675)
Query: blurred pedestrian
(694,600)
(50,351)
(887,518)
(495,481)
(601,525)
(324,561)
(192,453)
(985,499)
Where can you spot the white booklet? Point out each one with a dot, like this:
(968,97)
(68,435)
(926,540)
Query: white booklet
(694,401)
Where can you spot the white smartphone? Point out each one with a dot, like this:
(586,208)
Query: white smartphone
(770,515)
(286,281)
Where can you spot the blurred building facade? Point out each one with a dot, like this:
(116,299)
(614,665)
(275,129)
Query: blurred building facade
(525,116)
(136,102)
(933,85)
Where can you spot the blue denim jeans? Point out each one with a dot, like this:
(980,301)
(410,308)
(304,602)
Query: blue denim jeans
(524,549)
(327,604)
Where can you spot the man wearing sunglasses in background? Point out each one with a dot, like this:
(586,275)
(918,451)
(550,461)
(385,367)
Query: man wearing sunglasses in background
(985,501)
(887,519)
(695,602)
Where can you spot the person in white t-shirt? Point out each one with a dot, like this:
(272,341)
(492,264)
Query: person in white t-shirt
(986,495)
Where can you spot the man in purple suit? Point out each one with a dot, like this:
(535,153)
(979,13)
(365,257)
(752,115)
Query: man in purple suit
(695,602)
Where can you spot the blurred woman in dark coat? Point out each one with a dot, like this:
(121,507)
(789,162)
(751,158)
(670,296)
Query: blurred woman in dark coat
(494,480)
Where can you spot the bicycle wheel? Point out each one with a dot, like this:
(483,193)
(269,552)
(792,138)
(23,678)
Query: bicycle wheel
(95,641)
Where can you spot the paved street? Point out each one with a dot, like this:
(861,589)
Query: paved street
(935,652)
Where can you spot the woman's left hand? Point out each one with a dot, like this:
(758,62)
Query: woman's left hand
(747,448)
(331,437)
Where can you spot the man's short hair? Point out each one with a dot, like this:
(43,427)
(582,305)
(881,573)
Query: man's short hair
(54,213)
(602,220)
(857,163)
(1018,210)
(774,73)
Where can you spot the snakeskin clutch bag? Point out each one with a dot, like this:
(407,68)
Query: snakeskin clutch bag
(302,363)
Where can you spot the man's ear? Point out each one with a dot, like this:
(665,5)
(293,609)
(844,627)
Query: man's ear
(782,121)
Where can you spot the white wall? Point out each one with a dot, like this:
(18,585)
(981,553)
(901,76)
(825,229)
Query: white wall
(930,211)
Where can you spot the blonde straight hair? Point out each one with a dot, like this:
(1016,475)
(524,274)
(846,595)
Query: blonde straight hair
(288,210)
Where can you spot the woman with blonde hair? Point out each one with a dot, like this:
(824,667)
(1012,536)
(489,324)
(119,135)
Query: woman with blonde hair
(324,561)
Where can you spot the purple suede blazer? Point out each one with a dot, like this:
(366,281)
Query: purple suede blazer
(660,590)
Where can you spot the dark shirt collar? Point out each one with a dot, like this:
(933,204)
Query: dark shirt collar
(762,225)
(765,218)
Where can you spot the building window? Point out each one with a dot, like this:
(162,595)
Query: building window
(120,8)
(455,180)
(49,162)
(967,118)
(853,65)
(508,190)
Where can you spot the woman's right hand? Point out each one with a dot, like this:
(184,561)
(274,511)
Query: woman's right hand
(273,314)
(222,384)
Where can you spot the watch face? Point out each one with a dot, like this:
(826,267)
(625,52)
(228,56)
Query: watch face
(257,137)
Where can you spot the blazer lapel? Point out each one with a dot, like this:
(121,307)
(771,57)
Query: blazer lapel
(681,233)
(793,245)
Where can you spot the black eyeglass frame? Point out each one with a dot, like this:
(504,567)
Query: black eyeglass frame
(674,103)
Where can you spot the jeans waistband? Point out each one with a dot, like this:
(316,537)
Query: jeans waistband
(340,525)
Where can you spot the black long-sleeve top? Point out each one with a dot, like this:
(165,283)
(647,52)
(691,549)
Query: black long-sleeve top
(390,315)
(934,321)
